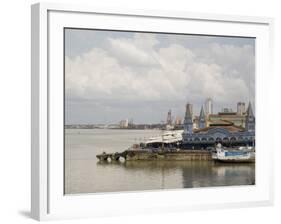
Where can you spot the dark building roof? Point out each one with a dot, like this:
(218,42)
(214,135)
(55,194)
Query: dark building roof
(220,123)
(227,113)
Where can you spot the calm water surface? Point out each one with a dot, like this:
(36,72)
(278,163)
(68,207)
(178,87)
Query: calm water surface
(84,174)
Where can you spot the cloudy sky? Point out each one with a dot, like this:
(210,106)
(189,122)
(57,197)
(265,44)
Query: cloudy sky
(110,76)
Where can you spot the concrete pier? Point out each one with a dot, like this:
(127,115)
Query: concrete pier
(187,155)
(113,156)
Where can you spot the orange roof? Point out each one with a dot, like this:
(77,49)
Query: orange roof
(222,122)
(230,128)
(227,115)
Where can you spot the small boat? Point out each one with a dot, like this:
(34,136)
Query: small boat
(234,155)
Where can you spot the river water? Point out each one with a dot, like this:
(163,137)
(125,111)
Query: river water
(84,174)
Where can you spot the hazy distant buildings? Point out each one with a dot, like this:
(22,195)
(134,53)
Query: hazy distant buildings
(131,122)
(124,123)
(241,108)
(195,122)
(209,106)
(169,118)
(178,120)
(226,110)
(189,107)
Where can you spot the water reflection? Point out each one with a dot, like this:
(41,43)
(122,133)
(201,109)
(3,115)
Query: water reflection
(193,173)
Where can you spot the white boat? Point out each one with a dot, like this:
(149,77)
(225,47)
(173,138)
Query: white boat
(234,155)
(166,137)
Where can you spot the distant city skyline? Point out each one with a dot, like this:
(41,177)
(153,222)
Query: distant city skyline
(111,76)
(174,116)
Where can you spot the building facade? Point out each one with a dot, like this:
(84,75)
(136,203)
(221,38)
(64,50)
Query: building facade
(226,133)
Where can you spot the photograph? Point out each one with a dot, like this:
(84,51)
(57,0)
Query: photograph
(150,111)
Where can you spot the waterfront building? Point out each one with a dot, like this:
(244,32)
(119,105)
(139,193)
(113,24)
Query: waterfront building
(241,108)
(209,106)
(221,131)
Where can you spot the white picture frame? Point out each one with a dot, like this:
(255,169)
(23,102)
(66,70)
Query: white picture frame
(47,198)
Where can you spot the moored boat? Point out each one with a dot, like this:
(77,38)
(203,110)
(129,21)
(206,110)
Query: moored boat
(234,155)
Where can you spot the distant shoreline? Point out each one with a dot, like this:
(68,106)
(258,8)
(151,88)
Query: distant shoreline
(116,127)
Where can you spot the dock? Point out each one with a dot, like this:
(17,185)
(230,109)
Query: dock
(187,155)
(112,156)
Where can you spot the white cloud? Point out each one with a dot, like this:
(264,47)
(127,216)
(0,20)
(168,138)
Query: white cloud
(134,51)
(140,69)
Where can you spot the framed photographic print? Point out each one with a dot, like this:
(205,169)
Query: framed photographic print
(148,111)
